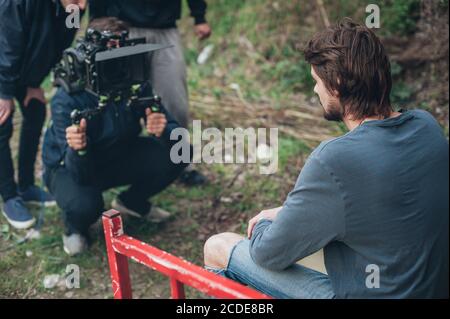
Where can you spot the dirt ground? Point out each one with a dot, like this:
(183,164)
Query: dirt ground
(235,193)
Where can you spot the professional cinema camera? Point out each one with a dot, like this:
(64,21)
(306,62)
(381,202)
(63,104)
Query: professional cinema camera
(110,66)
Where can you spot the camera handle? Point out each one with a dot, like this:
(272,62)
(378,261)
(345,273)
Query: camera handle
(156,105)
(152,103)
(143,103)
(76,116)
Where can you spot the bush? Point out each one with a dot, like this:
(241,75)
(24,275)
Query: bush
(399,17)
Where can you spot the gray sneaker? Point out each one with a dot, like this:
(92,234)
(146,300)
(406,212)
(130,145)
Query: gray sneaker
(74,244)
(155,215)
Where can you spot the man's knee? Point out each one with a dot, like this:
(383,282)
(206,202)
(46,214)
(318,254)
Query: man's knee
(86,205)
(168,168)
(82,208)
(217,249)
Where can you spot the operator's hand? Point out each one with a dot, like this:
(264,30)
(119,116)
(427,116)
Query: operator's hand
(76,136)
(202,30)
(34,93)
(6,109)
(156,122)
(269,214)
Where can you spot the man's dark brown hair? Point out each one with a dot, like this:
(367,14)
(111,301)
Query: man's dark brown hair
(350,59)
(109,24)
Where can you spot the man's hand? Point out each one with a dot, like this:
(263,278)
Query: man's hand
(34,93)
(202,30)
(156,122)
(76,136)
(269,214)
(80,3)
(6,109)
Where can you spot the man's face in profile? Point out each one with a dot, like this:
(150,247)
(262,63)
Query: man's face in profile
(330,102)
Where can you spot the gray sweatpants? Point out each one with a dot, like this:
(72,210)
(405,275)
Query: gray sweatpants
(168,71)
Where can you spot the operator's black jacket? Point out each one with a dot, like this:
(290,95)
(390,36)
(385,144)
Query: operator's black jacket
(108,133)
(155,14)
(33,35)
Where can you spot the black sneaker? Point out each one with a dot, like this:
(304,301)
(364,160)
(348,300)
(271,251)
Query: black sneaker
(192,178)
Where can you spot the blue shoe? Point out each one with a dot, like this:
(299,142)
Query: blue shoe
(37,196)
(17,213)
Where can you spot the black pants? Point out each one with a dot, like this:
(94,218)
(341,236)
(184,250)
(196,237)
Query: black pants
(32,123)
(144,164)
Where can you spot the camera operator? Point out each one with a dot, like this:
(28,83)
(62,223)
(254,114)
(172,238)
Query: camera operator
(104,152)
(33,35)
(156,21)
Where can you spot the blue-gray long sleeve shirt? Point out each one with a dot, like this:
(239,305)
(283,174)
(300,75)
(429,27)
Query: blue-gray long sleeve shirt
(375,197)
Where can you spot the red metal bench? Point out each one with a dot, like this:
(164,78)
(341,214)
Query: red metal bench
(121,247)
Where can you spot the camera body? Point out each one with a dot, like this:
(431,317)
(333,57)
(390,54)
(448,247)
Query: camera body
(110,66)
(105,64)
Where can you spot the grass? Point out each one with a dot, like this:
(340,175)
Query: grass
(198,213)
(397,17)
(270,41)
(257,49)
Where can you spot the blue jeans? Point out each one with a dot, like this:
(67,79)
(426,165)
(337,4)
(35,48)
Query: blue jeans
(296,282)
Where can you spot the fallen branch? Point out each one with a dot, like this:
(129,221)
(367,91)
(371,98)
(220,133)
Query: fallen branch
(323,13)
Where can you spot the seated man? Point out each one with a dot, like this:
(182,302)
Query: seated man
(375,199)
(103,152)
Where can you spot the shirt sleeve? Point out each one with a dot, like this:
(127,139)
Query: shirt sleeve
(312,216)
(198,10)
(12,44)
(79,166)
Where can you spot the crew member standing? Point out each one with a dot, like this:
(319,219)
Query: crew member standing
(33,35)
(156,21)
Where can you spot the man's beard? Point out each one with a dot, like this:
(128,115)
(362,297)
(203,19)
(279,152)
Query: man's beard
(333,113)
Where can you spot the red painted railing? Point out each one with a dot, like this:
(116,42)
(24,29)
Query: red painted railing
(121,247)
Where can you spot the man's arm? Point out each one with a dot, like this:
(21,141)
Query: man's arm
(12,44)
(79,166)
(311,217)
(198,10)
